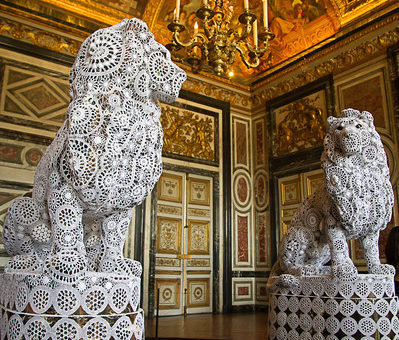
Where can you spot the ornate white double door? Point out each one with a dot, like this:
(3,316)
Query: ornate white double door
(184,259)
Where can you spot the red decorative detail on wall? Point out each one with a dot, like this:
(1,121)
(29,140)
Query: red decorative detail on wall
(260,149)
(241,143)
(9,153)
(33,156)
(261,227)
(243,291)
(242,235)
(260,190)
(242,189)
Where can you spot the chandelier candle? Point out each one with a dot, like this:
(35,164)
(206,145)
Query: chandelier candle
(177,10)
(255,31)
(265,18)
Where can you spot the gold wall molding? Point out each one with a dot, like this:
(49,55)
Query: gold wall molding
(357,54)
(38,37)
(169,209)
(235,99)
(167,262)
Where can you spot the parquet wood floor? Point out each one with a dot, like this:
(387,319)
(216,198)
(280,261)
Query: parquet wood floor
(246,326)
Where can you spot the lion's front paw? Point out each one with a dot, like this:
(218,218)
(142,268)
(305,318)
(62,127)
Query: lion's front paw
(344,272)
(382,269)
(66,267)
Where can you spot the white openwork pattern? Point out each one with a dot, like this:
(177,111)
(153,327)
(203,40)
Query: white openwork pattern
(365,306)
(308,298)
(67,240)
(355,202)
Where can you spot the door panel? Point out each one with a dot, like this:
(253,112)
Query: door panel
(183,263)
(292,191)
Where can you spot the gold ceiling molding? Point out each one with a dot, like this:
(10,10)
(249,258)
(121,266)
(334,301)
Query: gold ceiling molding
(38,37)
(352,9)
(349,58)
(89,9)
(21,15)
(151,12)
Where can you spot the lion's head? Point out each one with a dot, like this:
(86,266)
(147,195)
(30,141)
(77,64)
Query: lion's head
(357,173)
(114,152)
(125,56)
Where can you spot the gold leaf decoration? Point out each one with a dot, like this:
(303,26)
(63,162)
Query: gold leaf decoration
(187,133)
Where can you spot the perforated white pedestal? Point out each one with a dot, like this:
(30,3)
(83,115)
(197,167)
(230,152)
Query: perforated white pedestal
(324,308)
(98,306)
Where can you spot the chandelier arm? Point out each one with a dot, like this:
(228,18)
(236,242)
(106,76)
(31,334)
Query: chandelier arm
(248,63)
(208,33)
(181,43)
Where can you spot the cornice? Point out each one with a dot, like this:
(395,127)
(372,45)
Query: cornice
(338,57)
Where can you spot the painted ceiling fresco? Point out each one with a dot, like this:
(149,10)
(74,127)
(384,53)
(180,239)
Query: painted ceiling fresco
(299,25)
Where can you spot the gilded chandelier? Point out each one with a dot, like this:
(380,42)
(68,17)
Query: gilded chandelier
(216,42)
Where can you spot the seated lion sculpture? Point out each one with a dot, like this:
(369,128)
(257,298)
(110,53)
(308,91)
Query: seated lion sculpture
(355,202)
(105,159)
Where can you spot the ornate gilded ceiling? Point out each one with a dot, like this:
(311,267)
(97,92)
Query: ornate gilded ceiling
(300,26)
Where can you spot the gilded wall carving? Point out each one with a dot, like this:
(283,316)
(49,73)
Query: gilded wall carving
(302,127)
(187,133)
(38,37)
(336,63)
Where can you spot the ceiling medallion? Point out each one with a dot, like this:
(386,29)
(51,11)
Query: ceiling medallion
(215,43)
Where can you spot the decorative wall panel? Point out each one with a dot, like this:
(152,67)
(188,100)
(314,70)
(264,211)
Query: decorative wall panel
(198,263)
(365,89)
(262,239)
(167,262)
(259,143)
(242,246)
(290,192)
(170,188)
(33,96)
(241,143)
(290,196)
(261,293)
(312,181)
(241,182)
(198,292)
(261,196)
(198,241)
(168,235)
(243,291)
(261,188)
(169,293)
(242,189)
(198,191)
(190,133)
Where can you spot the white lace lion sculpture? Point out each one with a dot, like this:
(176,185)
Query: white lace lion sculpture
(355,202)
(105,159)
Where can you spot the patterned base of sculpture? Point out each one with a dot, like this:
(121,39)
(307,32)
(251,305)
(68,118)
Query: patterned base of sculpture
(99,306)
(321,307)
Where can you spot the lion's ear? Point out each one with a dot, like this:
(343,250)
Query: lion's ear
(368,117)
(331,120)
